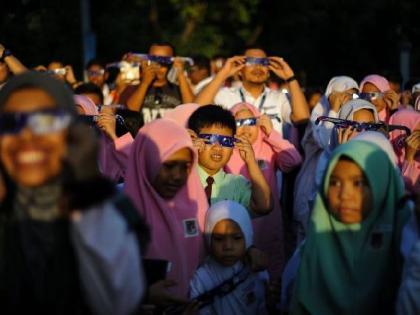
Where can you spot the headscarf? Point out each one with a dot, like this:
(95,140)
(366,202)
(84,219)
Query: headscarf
(380,140)
(37,256)
(404,117)
(169,219)
(354,268)
(257,145)
(379,81)
(181,113)
(272,152)
(86,104)
(33,79)
(383,85)
(336,84)
(347,112)
(417,104)
(230,210)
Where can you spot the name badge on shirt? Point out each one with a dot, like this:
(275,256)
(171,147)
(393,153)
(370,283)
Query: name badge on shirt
(190,227)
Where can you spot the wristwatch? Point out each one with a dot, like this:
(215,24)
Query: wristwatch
(6,53)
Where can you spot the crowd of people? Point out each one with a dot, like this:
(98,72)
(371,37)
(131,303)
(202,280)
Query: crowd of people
(162,184)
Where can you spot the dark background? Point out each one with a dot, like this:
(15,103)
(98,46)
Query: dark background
(320,39)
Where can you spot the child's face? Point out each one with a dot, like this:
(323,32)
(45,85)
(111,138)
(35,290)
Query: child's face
(227,243)
(349,194)
(250,132)
(173,174)
(213,157)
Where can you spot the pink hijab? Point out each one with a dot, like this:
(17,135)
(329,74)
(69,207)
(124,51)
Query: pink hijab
(181,113)
(86,103)
(409,170)
(383,85)
(405,117)
(272,152)
(177,224)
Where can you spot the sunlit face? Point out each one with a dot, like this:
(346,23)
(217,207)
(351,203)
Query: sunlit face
(227,243)
(32,160)
(255,73)
(97,75)
(165,51)
(214,156)
(378,102)
(4,72)
(173,174)
(349,194)
(250,132)
(364,116)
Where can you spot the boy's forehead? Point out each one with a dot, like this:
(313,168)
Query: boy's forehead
(217,129)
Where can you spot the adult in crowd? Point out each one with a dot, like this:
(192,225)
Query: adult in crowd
(155,94)
(68,243)
(254,70)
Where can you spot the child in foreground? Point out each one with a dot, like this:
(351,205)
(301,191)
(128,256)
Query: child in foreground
(229,285)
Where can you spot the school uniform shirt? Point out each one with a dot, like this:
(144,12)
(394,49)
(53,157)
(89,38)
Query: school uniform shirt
(271,103)
(247,298)
(228,187)
(202,84)
(157,100)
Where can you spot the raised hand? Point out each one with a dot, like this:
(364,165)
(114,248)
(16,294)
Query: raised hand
(245,149)
(280,68)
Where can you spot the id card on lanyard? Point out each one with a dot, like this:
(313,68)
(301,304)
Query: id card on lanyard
(260,106)
(241,93)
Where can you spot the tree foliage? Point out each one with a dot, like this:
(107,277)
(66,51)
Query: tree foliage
(322,38)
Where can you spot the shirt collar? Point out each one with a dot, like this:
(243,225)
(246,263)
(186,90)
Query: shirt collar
(218,177)
(246,93)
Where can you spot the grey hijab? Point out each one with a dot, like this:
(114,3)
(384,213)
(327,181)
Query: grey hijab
(62,95)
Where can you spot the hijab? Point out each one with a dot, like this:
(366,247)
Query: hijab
(86,104)
(176,224)
(336,84)
(383,85)
(404,117)
(229,210)
(354,268)
(181,113)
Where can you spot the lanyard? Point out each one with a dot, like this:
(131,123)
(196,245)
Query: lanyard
(241,93)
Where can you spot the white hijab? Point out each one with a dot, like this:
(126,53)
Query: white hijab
(231,210)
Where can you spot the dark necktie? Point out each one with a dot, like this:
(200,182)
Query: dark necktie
(210,181)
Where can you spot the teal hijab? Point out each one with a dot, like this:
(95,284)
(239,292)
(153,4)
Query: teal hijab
(354,268)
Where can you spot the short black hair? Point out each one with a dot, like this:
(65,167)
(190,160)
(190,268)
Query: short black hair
(202,62)
(254,46)
(163,43)
(95,62)
(209,115)
(90,88)
(133,121)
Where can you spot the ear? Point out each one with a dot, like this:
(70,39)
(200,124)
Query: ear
(192,134)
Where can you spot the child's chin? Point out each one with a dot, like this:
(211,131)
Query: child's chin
(227,262)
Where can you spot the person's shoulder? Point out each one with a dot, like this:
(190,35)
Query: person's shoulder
(237,182)
(226,90)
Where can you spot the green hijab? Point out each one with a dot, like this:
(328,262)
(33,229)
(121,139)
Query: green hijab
(354,268)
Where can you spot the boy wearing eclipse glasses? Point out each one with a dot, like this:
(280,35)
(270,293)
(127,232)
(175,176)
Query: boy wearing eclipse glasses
(212,129)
